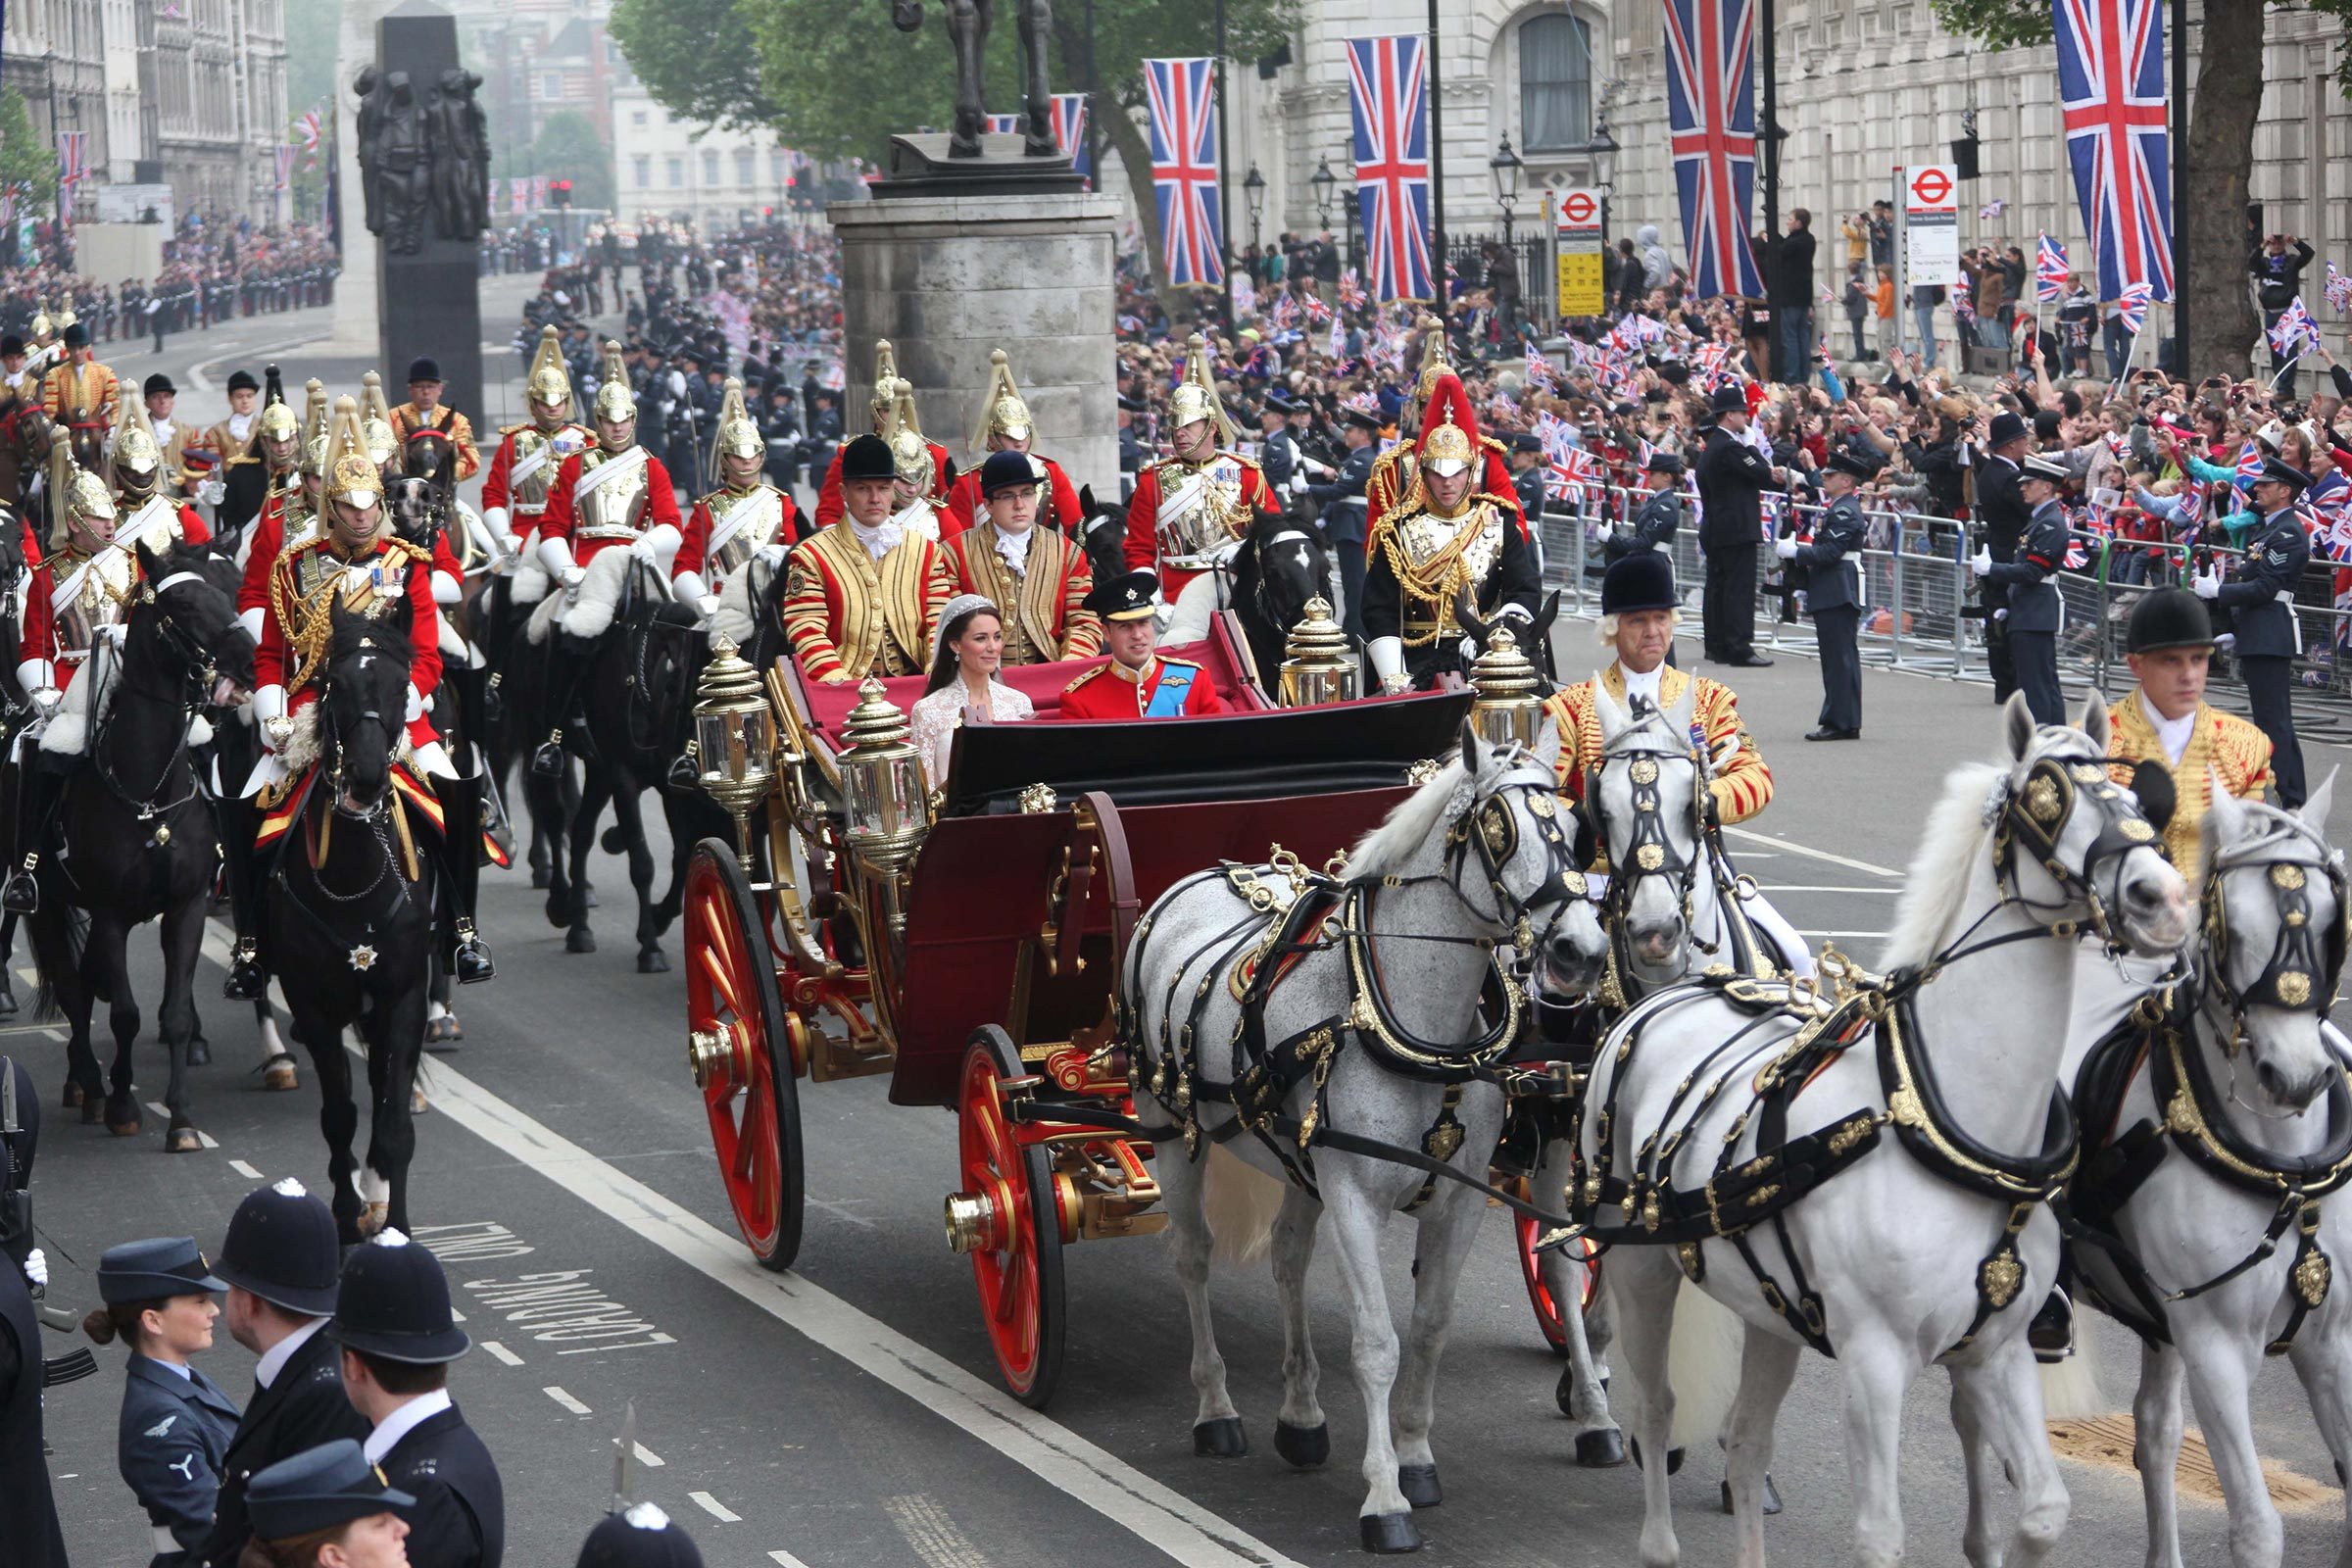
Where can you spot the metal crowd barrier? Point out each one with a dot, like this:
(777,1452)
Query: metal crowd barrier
(1915,586)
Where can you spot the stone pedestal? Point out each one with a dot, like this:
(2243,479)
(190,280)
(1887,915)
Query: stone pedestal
(949,278)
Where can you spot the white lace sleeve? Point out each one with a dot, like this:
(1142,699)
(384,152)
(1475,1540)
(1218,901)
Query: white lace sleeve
(933,731)
(1010,706)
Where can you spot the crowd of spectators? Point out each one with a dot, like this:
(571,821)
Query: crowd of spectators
(211,273)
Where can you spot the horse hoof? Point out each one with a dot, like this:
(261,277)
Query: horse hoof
(588,896)
(124,1126)
(539,879)
(442,1034)
(1302,1447)
(579,941)
(181,1141)
(200,1053)
(1601,1449)
(1390,1534)
(651,962)
(1772,1495)
(373,1218)
(558,910)
(1222,1438)
(1674,1458)
(1419,1484)
(417,1104)
(277,1074)
(73,1093)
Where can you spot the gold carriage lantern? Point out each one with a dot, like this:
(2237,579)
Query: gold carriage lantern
(882,783)
(1505,680)
(734,740)
(1318,665)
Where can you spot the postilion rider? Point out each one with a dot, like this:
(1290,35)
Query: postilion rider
(1638,610)
(864,596)
(1186,507)
(356,564)
(1138,682)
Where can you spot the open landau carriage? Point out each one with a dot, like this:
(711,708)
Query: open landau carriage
(967,941)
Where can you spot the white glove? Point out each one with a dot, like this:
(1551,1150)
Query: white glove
(688,588)
(707,607)
(2001,614)
(36,1269)
(268,707)
(1726,751)
(116,632)
(35,676)
(1299,484)
(555,557)
(642,549)
(770,556)
(251,620)
(2206,585)
(1388,663)
(446,590)
(211,492)
(498,521)
(46,700)
(1981,563)
(416,707)
(1785,547)
(569,577)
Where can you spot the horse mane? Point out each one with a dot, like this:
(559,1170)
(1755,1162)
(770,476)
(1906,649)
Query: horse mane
(389,637)
(1954,837)
(1409,827)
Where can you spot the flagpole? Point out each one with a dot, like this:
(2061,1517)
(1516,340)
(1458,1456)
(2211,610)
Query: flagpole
(2178,139)
(1436,170)
(1224,186)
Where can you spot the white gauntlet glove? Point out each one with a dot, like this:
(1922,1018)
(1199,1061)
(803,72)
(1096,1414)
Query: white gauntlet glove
(1980,565)
(36,1269)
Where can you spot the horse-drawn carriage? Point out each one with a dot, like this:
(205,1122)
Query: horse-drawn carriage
(967,942)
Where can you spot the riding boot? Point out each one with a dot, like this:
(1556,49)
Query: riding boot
(462,828)
(2051,1334)
(566,663)
(247,980)
(40,783)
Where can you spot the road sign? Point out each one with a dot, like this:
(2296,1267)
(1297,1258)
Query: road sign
(1581,291)
(1929,200)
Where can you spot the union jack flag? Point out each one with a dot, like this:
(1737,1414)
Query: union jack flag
(73,151)
(286,164)
(1069,128)
(1351,292)
(1183,96)
(1285,314)
(2338,289)
(1317,313)
(1388,80)
(1711,107)
(2331,517)
(1538,368)
(2049,270)
(2248,469)
(2111,83)
(308,128)
(2132,304)
(2293,329)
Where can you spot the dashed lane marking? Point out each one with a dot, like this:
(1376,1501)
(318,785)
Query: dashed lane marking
(647,1457)
(245,1170)
(785,1559)
(565,1400)
(714,1508)
(1795,847)
(502,1353)
(1776,889)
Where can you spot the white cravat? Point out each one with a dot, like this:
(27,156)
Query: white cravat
(275,1360)
(1645,687)
(2173,733)
(163,431)
(401,1422)
(239,424)
(1013,549)
(879,541)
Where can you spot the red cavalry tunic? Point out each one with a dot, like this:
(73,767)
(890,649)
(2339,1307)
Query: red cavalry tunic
(301,575)
(562,521)
(693,553)
(1143,518)
(498,485)
(262,547)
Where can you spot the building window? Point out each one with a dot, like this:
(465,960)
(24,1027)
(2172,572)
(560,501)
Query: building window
(744,167)
(775,166)
(1555,83)
(709,165)
(677,172)
(636,117)
(644,172)
(551,84)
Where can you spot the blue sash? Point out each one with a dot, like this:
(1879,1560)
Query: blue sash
(1167,699)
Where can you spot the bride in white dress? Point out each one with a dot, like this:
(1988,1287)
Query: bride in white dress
(966,657)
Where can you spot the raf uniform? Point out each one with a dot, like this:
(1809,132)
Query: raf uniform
(410,421)
(1278,455)
(2035,612)
(1660,516)
(1832,563)
(1346,526)
(1161,688)
(2269,636)
(863,602)
(176,1423)
(393,1305)
(2001,507)
(1038,576)
(1733,477)
(2207,741)
(282,1246)
(324,1487)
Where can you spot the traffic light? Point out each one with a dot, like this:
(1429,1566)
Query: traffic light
(559,192)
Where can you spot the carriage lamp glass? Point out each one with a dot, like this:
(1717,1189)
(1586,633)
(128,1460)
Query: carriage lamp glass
(882,780)
(1318,665)
(734,739)
(1507,709)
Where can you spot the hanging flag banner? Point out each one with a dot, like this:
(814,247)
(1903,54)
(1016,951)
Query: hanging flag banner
(1711,112)
(2111,84)
(1183,99)
(1388,82)
(1578,237)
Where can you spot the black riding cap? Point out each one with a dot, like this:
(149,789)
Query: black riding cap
(2169,617)
(867,457)
(1643,581)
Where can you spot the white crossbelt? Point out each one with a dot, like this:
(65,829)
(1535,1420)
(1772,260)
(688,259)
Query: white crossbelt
(738,516)
(132,534)
(627,463)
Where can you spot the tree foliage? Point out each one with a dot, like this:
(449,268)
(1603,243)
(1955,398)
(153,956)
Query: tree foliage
(567,148)
(25,158)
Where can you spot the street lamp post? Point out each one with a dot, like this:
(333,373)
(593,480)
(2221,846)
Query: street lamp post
(1603,148)
(1507,165)
(1253,188)
(1323,180)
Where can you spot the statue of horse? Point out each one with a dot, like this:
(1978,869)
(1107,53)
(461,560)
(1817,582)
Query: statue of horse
(1870,1175)
(968,22)
(1383,1036)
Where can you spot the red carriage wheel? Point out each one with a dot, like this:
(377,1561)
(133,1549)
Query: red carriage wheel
(737,1045)
(1525,1232)
(1008,1218)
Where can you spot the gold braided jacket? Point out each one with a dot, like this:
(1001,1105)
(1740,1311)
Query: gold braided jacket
(2219,742)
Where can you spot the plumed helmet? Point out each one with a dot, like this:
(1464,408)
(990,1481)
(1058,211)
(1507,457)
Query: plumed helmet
(615,402)
(137,456)
(886,374)
(738,435)
(315,428)
(1001,411)
(1434,362)
(43,329)
(352,474)
(83,492)
(1195,396)
(909,450)
(549,381)
(375,421)
(278,422)
(66,319)
(1449,429)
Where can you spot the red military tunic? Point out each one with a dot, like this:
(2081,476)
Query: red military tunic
(695,553)
(963,502)
(107,595)
(290,655)
(1143,518)
(498,485)
(562,521)
(830,506)
(1112,691)
(262,548)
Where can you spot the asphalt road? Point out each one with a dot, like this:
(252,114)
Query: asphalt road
(847,1413)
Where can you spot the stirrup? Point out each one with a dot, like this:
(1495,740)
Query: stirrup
(548,760)
(247,980)
(471,963)
(2051,1334)
(683,775)
(22,894)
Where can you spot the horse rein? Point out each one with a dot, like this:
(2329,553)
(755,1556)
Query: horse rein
(199,670)
(1650,851)
(2305,960)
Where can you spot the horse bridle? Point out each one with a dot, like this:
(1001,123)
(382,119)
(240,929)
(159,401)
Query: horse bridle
(198,672)
(1651,851)
(2032,817)
(2305,960)
(1491,830)
(1257,548)
(332,740)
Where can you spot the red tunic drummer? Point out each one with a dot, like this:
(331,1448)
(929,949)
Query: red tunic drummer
(1138,682)
(1193,502)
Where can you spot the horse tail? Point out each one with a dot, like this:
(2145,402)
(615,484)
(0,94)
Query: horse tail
(1241,1202)
(1703,1356)
(2070,1390)
(59,934)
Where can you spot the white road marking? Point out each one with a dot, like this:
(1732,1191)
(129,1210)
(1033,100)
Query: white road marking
(1806,848)
(245,1170)
(565,1400)
(1776,888)
(932,1534)
(203,1138)
(647,1457)
(1879,936)
(714,1508)
(502,1353)
(785,1559)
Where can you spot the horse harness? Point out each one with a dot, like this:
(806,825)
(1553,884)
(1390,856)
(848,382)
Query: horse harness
(198,673)
(1802,1033)
(2160,1036)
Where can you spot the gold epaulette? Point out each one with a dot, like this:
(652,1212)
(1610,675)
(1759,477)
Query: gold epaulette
(518,429)
(1090,676)
(415,551)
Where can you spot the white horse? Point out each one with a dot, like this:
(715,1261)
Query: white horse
(1364,1031)
(2234,1122)
(1757,1129)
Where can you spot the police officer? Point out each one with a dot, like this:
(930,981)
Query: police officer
(280,1260)
(1834,595)
(640,1535)
(2263,599)
(1527,480)
(393,1322)
(1343,501)
(1732,479)
(331,1491)
(176,1424)
(2029,585)
(2002,508)
(27,1509)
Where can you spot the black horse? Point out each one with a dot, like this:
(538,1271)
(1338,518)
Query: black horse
(140,839)
(347,919)
(1280,563)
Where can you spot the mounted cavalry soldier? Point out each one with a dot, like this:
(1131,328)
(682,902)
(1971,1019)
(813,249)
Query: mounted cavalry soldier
(424,413)
(1204,497)
(1446,539)
(1005,425)
(354,563)
(864,596)
(744,516)
(152,514)
(614,493)
(292,509)
(885,407)
(523,468)
(377,437)
(1394,471)
(1036,573)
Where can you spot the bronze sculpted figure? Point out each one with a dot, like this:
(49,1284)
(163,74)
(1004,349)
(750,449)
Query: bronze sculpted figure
(461,158)
(420,155)
(968,23)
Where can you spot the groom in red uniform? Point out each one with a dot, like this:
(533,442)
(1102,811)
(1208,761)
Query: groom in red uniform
(1136,683)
